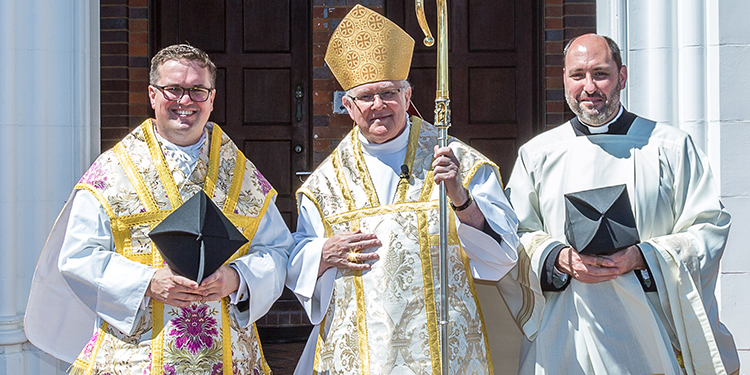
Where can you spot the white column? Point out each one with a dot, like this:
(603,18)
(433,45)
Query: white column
(688,67)
(651,69)
(612,21)
(729,139)
(49,101)
(691,69)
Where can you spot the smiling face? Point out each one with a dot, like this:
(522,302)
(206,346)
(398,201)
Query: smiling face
(181,122)
(379,121)
(592,80)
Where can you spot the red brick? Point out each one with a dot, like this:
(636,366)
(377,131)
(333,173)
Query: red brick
(320,25)
(554,82)
(319,49)
(113,73)
(112,11)
(138,86)
(321,145)
(321,36)
(317,12)
(333,132)
(572,32)
(118,109)
(114,85)
(584,9)
(553,11)
(318,61)
(553,71)
(553,23)
(113,48)
(580,21)
(339,12)
(138,3)
(138,74)
(341,121)
(557,2)
(138,38)
(117,133)
(114,97)
(138,25)
(553,47)
(323,85)
(138,98)
(555,107)
(114,122)
(322,109)
(322,97)
(138,50)
(554,119)
(140,110)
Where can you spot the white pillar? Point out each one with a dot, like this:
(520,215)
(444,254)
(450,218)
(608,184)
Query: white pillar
(49,132)
(651,69)
(691,69)
(688,67)
(729,131)
(612,21)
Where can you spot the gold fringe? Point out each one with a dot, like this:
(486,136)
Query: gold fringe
(78,368)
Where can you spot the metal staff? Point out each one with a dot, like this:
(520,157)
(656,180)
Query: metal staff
(442,122)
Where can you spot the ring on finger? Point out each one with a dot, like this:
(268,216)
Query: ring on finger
(599,261)
(353,257)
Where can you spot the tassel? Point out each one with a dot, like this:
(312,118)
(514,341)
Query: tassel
(78,368)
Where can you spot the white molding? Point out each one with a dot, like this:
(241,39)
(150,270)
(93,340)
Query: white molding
(612,21)
(49,135)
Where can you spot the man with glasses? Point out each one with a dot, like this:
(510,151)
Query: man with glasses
(145,317)
(365,264)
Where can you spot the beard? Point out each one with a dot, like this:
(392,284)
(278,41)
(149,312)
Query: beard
(595,116)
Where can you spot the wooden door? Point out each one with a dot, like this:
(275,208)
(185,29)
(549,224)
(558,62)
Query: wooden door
(495,83)
(262,54)
(494,77)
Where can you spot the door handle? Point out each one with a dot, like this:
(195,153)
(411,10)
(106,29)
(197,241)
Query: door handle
(299,94)
(302,175)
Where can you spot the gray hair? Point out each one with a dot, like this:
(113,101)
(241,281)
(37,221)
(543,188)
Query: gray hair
(181,52)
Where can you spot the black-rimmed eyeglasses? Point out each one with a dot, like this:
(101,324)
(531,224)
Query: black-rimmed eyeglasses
(385,96)
(175,93)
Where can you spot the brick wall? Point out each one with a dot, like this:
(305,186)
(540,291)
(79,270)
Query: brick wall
(125,63)
(328,128)
(563,20)
(124,68)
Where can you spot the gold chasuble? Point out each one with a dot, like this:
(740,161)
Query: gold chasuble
(385,320)
(138,189)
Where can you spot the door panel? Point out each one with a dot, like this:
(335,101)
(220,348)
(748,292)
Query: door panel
(491,68)
(263,75)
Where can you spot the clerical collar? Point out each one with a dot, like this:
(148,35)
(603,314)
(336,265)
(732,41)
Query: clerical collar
(193,150)
(184,157)
(619,125)
(394,145)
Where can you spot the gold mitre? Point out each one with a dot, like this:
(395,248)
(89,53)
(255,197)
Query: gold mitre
(367,47)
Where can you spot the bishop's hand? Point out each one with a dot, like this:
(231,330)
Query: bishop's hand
(345,251)
(446,168)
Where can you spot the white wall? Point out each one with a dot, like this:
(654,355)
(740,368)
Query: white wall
(49,131)
(687,65)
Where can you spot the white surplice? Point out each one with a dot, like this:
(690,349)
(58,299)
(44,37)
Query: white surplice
(489,260)
(614,327)
(81,275)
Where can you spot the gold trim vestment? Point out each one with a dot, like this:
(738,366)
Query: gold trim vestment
(385,319)
(137,188)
